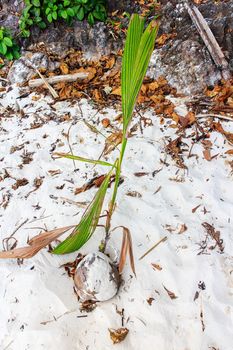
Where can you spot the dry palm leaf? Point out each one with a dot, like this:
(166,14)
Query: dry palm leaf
(35,244)
(126,248)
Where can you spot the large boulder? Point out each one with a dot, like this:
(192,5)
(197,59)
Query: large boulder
(185,60)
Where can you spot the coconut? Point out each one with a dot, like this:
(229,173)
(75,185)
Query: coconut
(96,278)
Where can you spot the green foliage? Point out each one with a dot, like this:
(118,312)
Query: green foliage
(41,12)
(8,47)
(138,49)
(84,230)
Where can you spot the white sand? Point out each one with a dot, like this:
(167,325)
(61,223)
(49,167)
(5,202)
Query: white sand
(40,291)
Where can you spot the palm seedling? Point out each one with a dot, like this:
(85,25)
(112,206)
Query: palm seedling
(138,49)
(137,52)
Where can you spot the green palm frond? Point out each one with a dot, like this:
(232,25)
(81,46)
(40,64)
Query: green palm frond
(138,49)
(82,159)
(86,227)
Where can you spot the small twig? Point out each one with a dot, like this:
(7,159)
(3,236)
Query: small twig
(7,347)
(49,87)
(57,318)
(18,228)
(70,148)
(154,246)
(214,116)
(3,79)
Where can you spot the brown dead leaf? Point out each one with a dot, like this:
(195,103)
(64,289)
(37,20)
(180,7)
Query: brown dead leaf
(218,127)
(207,155)
(112,142)
(118,335)
(150,300)
(189,119)
(95,182)
(182,229)
(64,68)
(194,209)
(88,306)
(54,172)
(19,183)
(170,294)
(162,39)
(133,194)
(140,174)
(156,267)
(116,91)
(110,62)
(35,244)
(230,151)
(173,148)
(105,122)
(126,248)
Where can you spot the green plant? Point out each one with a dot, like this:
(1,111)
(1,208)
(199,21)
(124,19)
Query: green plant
(8,46)
(138,49)
(40,12)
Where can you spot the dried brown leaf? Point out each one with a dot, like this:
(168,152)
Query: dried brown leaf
(35,244)
(112,142)
(126,248)
(156,267)
(170,294)
(118,335)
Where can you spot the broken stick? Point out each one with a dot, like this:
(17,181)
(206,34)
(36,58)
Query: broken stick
(57,79)
(209,40)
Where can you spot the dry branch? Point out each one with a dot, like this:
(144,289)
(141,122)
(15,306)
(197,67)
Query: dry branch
(57,79)
(209,39)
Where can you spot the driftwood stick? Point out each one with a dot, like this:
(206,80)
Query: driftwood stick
(50,88)
(218,116)
(57,79)
(209,40)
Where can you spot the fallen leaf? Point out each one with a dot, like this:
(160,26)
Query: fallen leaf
(35,244)
(140,174)
(150,300)
(116,91)
(126,248)
(173,148)
(64,68)
(19,183)
(112,142)
(133,194)
(54,172)
(170,294)
(182,229)
(207,155)
(156,267)
(118,335)
(194,209)
(95,182)
(218,127)
(105,122)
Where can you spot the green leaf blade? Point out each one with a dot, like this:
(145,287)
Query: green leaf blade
(82,159)
(88,223)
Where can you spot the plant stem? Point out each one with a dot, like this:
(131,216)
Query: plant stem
(117,180)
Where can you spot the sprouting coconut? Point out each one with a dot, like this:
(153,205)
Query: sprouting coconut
(96,278)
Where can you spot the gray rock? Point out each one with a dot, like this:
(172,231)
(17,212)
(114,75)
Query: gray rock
(184,60)
(22,69)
